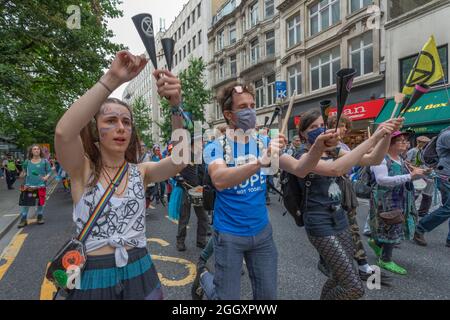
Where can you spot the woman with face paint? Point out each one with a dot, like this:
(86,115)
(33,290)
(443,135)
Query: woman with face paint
(325,221)
(93,139)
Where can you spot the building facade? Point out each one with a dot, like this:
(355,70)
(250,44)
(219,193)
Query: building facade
(244,46)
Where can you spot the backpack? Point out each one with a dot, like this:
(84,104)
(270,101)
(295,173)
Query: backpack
(363,183)
(292,194)
(428,155)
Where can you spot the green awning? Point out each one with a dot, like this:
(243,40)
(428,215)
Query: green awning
(430,114)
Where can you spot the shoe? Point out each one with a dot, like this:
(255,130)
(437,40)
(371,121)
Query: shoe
(196,289)
(22,223)
(419,238)
(181,246)
(448,243)
(367,233)
(376,249)
(392,267)
(201,245)
(40,219)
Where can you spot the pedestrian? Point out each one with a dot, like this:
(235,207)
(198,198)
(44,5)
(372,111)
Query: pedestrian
(36,171)
(160,188)
(413,157)
(191,179)
(442,214)
(393,213)
(94,140)
(10,172)
(325,220)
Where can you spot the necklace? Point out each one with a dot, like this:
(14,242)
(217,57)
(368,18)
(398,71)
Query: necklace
(116,192)
(111,167)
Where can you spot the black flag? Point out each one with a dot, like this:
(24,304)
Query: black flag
(168,45)
(344,83)
(144,25)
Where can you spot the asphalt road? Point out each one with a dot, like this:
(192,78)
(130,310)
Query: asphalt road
(23,264)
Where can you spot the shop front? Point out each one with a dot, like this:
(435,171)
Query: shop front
(428,116)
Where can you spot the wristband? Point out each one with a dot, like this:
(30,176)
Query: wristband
(104,85)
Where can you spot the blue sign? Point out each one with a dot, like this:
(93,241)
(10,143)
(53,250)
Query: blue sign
(281,88)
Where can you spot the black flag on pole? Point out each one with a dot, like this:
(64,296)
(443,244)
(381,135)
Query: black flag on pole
(144,25)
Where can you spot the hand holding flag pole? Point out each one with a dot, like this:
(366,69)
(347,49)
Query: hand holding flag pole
(399,98)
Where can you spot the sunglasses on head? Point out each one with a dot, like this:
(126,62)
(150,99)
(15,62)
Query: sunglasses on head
(237,89)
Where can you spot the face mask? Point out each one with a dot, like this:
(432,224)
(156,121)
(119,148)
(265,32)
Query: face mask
(246,119)
(312,135)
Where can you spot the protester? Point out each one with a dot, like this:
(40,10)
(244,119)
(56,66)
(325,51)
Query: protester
(36,171)
(160,188)
(94,138)
(393,213)
(325,220)
(442,214)
(11,172)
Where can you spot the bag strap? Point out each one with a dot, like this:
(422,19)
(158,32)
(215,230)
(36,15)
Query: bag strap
(96,213)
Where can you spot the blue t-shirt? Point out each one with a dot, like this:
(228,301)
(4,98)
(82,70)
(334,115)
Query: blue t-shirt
(240,210)
(35,172)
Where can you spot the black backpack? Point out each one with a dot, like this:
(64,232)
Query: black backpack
(363,184)
(429,156)
(292,194)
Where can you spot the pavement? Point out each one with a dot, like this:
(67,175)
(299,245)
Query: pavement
(26,253)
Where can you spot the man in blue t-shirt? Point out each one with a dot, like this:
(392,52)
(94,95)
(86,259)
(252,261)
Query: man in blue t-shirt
(241,222)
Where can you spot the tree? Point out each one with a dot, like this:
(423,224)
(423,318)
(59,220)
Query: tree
(142,120)
(195,96)
(45,65)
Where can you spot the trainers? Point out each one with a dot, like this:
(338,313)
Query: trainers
(22,223)
(419,238)
(448,243)
(181,246)
(376,249)
(40,219)
(196,289)
(367,233)
(392,267)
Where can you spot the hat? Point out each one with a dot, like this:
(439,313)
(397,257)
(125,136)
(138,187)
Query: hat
(399,133)
(423,139)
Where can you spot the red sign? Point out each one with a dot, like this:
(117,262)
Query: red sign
(364,110)
(296,121)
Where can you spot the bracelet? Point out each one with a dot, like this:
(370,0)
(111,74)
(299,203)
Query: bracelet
(176,110)
(104,85)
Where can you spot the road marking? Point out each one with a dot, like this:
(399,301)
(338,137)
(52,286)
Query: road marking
(175,221)
(48,289)
(161,242)
(192,271)
(11,215)
(10,253)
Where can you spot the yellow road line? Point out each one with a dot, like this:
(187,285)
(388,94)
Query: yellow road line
(11,251)
(48,290)
(161,242)
(192,271)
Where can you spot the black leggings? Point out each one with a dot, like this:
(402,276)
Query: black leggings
(337,252)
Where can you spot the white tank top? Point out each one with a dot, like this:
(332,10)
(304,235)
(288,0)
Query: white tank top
(122,222)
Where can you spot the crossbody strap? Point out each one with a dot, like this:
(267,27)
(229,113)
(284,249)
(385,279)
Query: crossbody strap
(96,213)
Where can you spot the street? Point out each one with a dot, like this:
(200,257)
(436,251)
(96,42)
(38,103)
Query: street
(26,254)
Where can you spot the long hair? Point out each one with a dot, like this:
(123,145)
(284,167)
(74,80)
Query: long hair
(91,143)
(30,151)
(306,119)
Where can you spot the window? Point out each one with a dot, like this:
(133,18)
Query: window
(271,92)
(253,15)
(221,69)
(323,15)
(184,52)
(188,22)
(355,5)
(361,54)
(244,57)
(189,47)
(179,33)
(400,7)
(176,58)
(199,9)
(270,43)
(259,91)
(232,33)
(194,40)
(254,51)
(193,17)
(220,37)
(175,37)
(179,55)
(295,79)
(293,25)
(324,68)
(233,65)
(219,114)
(407,64)
(200,37)
(184,28)
(269,6)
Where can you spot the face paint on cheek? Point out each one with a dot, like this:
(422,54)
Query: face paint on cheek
(104,131)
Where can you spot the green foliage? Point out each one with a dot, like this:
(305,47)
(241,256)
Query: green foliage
(45,66)
(142,120)
(195,96)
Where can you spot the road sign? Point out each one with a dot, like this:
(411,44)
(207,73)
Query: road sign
(281,88)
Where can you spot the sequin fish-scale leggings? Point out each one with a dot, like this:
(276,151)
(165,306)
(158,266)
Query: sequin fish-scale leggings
(337,252)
